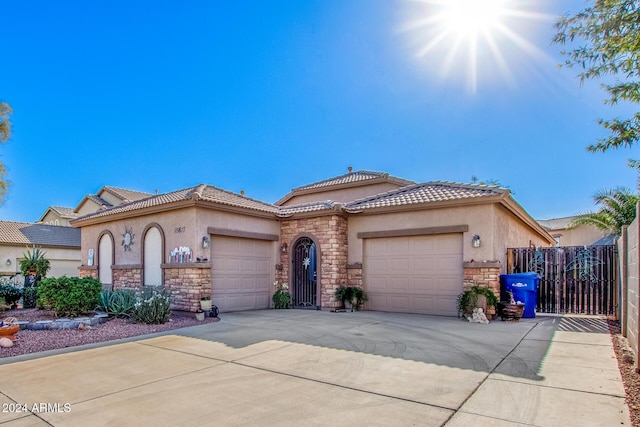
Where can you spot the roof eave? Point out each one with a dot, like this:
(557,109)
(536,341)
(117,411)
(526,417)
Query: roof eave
(478,200)
(179,204)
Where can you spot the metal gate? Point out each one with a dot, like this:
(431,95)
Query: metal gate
(304,274)
(573,279)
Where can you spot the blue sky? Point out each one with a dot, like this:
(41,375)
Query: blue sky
(266,96)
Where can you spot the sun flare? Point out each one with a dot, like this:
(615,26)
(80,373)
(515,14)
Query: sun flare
(470,17)
(473,37)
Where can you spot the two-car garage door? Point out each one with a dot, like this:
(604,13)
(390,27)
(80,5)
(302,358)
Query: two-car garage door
(240,274)
(414,274)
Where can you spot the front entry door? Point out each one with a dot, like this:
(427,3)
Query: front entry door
(305,274)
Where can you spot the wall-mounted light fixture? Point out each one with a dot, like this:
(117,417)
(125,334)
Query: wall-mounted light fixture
(475,241)
(8,261)
(283,248)
(205,242)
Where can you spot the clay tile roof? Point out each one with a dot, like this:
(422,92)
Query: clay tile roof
(38,234)
(199,192)
(63,211)
(127,195)
(285,211)
(556,223)
(218,195)
(99,200)
(347,178)
(435,191)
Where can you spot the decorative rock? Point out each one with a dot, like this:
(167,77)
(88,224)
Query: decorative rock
(6,343)
(478,316)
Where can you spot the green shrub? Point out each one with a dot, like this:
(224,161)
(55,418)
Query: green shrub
(281,299)
(69,296)
(119,303)
(353,294)
(153,306)
(10,293)
(30,297)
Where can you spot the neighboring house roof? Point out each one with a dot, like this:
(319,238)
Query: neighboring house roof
(62,212)
(350,179)
(203,192)
(23,233)
(124,194)
(435,191)
(606,240)
(556,223)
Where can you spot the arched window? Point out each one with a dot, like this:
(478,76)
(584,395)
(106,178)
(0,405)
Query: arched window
(105,259)
(152,257)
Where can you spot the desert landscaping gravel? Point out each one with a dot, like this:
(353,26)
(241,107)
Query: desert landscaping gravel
(30,341)
(627,366)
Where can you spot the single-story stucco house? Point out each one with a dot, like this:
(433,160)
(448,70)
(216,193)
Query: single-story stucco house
(412,247)
(61,246)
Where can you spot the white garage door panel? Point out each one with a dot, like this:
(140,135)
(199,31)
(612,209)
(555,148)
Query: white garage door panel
(414,274)
(240,273)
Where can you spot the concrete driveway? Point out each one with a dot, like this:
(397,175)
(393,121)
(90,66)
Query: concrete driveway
(295,367)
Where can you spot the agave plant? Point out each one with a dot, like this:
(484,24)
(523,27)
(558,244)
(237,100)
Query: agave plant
(34,262)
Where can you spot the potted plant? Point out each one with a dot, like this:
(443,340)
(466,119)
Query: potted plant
(34,263)
(200,315)
(205,303)
(281,297)
(472,298)
(352,297)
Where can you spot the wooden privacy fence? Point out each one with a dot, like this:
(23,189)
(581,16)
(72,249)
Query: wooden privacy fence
(573,279)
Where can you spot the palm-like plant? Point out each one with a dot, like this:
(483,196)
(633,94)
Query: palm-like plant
(34,262)
(617,208)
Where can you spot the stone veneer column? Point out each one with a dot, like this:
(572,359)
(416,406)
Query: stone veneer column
(127,276)
(354,274)
(483,274)
(330,234)
(87,271)
(188,282)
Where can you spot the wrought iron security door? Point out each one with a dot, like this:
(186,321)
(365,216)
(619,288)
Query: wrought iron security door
(305,274)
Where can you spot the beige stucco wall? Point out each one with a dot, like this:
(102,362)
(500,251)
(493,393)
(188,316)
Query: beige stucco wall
(343,195)
(579,236)
(88,207)
(181,227)
(63,261)
(509,232)
(497,228)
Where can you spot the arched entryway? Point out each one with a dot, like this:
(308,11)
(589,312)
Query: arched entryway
(305,274)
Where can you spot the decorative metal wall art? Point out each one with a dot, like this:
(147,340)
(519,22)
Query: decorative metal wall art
(127,238)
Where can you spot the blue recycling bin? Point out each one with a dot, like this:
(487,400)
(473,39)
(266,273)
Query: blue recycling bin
(524,287)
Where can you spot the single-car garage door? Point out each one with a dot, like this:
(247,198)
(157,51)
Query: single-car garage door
(240,274)
(414,274)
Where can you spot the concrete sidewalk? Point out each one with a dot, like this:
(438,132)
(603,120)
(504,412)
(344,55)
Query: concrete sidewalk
(292,367)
